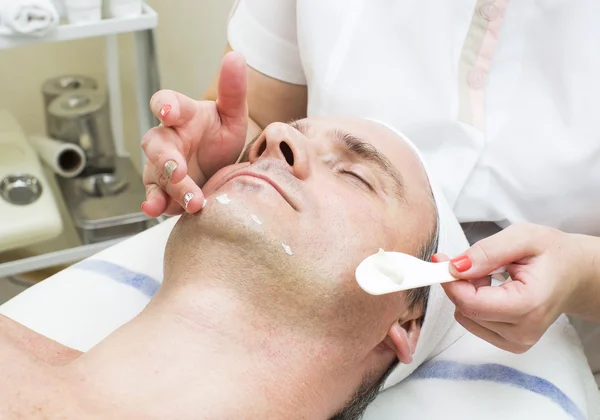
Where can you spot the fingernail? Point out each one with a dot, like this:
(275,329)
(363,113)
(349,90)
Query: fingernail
(434,258)
(462,263)
(204,203)
(143,204)
(164,111)
(187,198)
(170,166)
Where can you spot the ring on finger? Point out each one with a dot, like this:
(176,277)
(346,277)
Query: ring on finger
(170,167)
(187,198)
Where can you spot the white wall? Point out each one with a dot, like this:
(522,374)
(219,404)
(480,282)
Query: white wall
(191,38)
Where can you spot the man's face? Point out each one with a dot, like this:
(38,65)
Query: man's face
(308,204)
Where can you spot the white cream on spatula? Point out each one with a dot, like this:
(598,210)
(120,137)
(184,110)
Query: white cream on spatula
(389,272)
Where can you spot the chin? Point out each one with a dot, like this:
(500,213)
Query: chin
(248,225)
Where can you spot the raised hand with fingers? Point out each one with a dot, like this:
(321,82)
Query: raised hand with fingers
(549,276)
(193,141)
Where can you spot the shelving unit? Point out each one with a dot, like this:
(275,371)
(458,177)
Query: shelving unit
(68,32)
(55,258)
(147,82)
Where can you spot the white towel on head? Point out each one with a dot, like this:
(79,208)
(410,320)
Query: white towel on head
(439,330)
(28,17)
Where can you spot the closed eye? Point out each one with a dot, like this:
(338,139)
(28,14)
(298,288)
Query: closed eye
(357,176)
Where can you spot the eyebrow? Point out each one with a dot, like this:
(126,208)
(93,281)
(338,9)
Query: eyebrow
(357,147)
(365,151)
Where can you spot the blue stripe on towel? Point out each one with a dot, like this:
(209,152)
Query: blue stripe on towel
(145,284)
(444,369)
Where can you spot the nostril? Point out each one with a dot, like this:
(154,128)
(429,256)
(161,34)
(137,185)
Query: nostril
(287,153)
(261,148)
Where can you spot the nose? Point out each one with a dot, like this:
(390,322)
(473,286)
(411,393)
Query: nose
(280,141)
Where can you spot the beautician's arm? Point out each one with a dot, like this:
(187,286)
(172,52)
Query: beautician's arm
(586,301)
(551,273)
(201,137)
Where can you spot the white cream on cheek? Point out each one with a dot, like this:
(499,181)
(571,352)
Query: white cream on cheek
(223,199)
(287,249)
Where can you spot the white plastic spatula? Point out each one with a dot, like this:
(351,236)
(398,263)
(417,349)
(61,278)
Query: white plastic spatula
(389,272)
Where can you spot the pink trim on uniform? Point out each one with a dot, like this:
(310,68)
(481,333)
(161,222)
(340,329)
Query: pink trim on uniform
(481,69)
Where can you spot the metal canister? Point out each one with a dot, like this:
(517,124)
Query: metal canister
(82,117)
(56,86)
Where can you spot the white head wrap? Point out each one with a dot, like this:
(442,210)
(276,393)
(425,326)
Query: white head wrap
(439,328)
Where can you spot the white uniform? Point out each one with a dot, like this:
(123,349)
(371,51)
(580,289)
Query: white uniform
(502,97)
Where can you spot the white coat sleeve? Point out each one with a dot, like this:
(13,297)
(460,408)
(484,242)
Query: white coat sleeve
(264,31)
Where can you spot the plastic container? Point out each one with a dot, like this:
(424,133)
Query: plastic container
(83,11)
(124,8)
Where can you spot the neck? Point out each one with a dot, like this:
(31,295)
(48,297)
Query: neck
(202,350)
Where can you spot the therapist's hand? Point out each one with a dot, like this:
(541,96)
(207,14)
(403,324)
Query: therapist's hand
(195,139)
(547,275)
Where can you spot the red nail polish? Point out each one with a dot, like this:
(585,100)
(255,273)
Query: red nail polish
(165,110)
(434,258)
(462,263)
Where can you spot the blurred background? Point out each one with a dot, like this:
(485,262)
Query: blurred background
(189,41)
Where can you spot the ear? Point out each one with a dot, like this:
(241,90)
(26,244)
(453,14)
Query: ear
(404,338)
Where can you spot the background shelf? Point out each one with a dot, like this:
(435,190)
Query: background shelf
(68,32)
(68,248)
(65,249)
(53,259)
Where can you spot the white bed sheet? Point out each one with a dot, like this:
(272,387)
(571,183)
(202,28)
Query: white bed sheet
(81,305)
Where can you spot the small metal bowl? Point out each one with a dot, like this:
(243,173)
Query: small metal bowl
(102,185)
(20,189)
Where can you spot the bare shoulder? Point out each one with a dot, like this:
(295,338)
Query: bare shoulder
(40,347)
(34,382)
